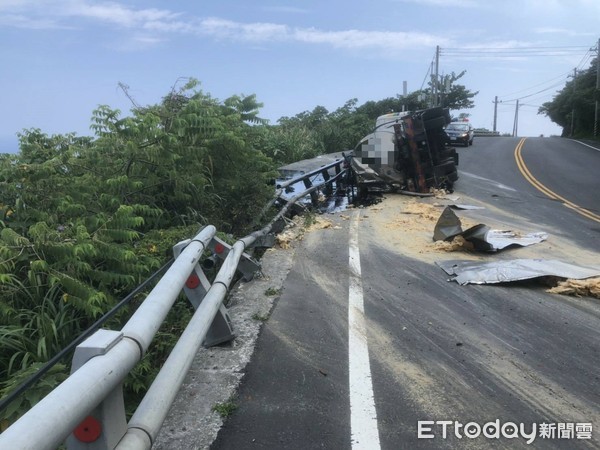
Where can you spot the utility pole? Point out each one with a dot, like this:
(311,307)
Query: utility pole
(574,93)
(437,74)
(516,124)
(495,112)
(596,125)
(432,97)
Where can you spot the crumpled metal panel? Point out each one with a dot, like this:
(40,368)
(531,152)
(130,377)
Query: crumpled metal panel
(448,226)
(499,239)
(481,236)
(477,272)
(462,206)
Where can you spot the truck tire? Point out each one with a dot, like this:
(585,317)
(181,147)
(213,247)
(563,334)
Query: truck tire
(436,122)
(445,168)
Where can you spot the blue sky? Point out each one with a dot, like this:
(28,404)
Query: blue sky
(60,59)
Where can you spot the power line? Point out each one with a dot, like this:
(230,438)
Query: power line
(513,52)
(426,75)
(538,92)
(561,76)
(585,59)
(521,49)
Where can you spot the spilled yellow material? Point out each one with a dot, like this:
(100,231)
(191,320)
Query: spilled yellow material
(589,287)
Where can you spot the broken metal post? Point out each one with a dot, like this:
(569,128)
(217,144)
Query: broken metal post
(313,194)
(328,188)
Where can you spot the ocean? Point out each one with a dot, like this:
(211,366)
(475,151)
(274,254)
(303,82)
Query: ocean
(9,144)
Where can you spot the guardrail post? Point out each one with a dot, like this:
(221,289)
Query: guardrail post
(248,266)
(106,425)
(338,169)
(313,195)
(328,188)
(195,288)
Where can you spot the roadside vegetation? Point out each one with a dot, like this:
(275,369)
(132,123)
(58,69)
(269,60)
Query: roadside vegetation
(573,107)
(85,220)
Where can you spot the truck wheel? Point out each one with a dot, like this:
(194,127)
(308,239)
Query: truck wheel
(445,168)
(436,122)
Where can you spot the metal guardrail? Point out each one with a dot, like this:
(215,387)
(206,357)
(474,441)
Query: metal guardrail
(87,410)
(486,133)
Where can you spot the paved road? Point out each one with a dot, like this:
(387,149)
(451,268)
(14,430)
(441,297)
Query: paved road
(489,172)
(437,351)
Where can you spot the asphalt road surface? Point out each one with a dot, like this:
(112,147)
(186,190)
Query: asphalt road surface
(370,346)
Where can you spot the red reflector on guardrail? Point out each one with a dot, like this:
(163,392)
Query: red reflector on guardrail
(219,248)
(193,281)
(89,430)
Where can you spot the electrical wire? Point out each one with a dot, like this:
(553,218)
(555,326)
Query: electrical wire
(562,77)
(428,72)
(521,52)
(535,93)
(513,51)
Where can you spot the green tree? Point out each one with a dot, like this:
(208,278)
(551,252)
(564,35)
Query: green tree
(452,95)
(578,96)
(78,215)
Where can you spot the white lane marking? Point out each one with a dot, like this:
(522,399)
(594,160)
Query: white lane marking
(493,182)
(587,145)
(363,416)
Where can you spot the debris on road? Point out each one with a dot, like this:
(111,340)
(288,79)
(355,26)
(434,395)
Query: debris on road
(467,207)
(459,243)
(319,224)
(478,272)
(589,287)
(481,236)
(443,194)
(424,210)
(284,239)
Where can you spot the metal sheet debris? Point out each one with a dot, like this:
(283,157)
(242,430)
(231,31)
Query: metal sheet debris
(499,239)
(461,206)
(477,272)
(481,236)
(447,226)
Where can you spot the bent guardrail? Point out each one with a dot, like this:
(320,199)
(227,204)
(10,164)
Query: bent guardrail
(87,410)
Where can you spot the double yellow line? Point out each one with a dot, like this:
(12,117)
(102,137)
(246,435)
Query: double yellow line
(540,187)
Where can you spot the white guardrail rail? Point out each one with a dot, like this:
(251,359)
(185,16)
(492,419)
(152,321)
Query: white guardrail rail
(87,410)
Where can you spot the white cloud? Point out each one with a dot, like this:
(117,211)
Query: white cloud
(346,39)
(117,14)
(442,3)
(153,24)
(357,39)
(139,42)
(253,32)
(15,5)
(562,31)
(31,23)
(285,9)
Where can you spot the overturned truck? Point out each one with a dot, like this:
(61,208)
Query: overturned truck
(407,151)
